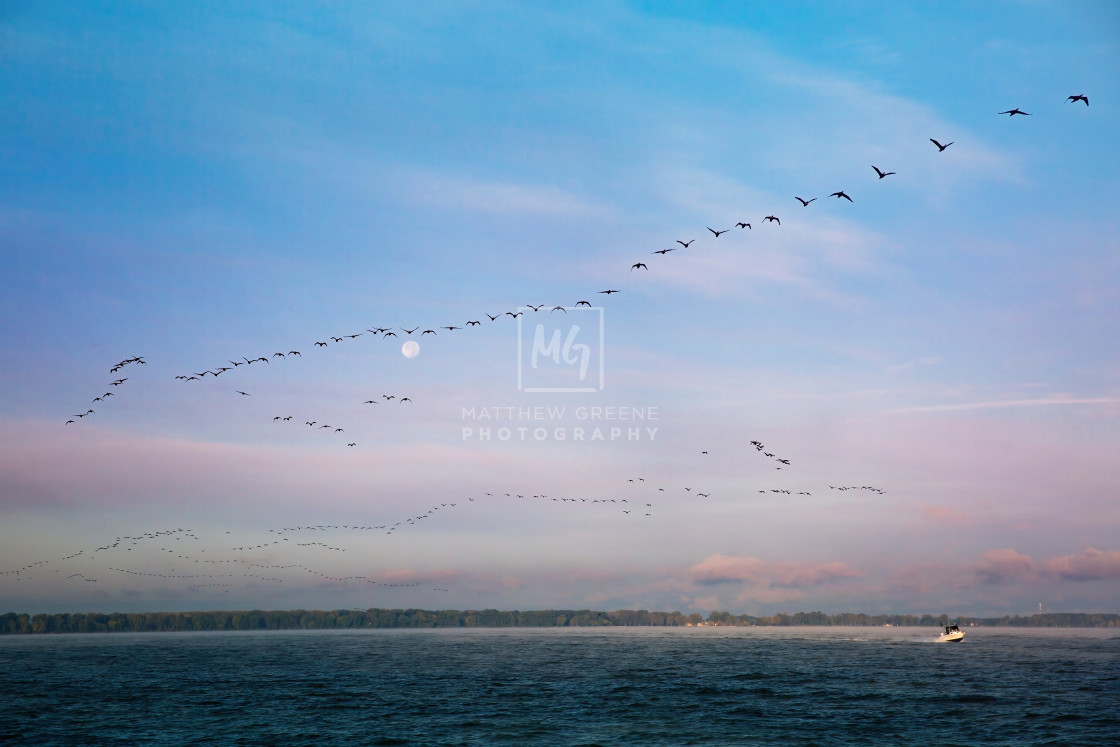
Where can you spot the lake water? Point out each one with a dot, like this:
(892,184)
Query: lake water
(559,686)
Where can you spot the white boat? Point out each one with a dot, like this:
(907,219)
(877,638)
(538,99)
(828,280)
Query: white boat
(952,634)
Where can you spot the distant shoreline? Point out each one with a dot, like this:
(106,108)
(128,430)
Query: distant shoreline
(139,622)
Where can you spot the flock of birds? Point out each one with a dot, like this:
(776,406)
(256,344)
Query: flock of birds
(116,368)
(249,561)
(228,566)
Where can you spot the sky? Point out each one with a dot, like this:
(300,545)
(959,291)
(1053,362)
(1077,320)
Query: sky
(204,184)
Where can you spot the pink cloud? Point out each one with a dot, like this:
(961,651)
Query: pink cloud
(1088,565)
(948,514)
(717,569)
(1000,566)
(805,574)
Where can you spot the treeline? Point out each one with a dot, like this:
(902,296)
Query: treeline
(132,622)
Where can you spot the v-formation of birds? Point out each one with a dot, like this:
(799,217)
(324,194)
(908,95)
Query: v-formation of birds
(390,332)
(385,333)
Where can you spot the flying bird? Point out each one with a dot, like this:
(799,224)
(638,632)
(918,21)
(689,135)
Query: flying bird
(492,318)
(684,244)
(1079,97)
(409,331)
(1016,110)
(559,308)
(881,173)
(940,147)
(665,251)
(244,394)
(636,265)
(608,292)
(744,225)
(473,324)
(717,233)
(320,344)
(840,194)
(428,332)
(804,203)
(773,219)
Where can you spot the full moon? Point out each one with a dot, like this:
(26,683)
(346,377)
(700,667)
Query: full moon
(410,349)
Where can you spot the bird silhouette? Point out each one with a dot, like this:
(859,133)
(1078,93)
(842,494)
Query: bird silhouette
(473,324)
(940,147)
(881,173)
(684,244)
(840,194)
(744,225)
(1079,97)
(409,331)
(492,318)
(608,292)
(773,219)
(428,332)
(717,233)
(665,251)
(1016,110)
(804,203)
(320,344)
(636,265)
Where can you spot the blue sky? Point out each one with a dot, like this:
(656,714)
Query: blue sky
(193,183)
